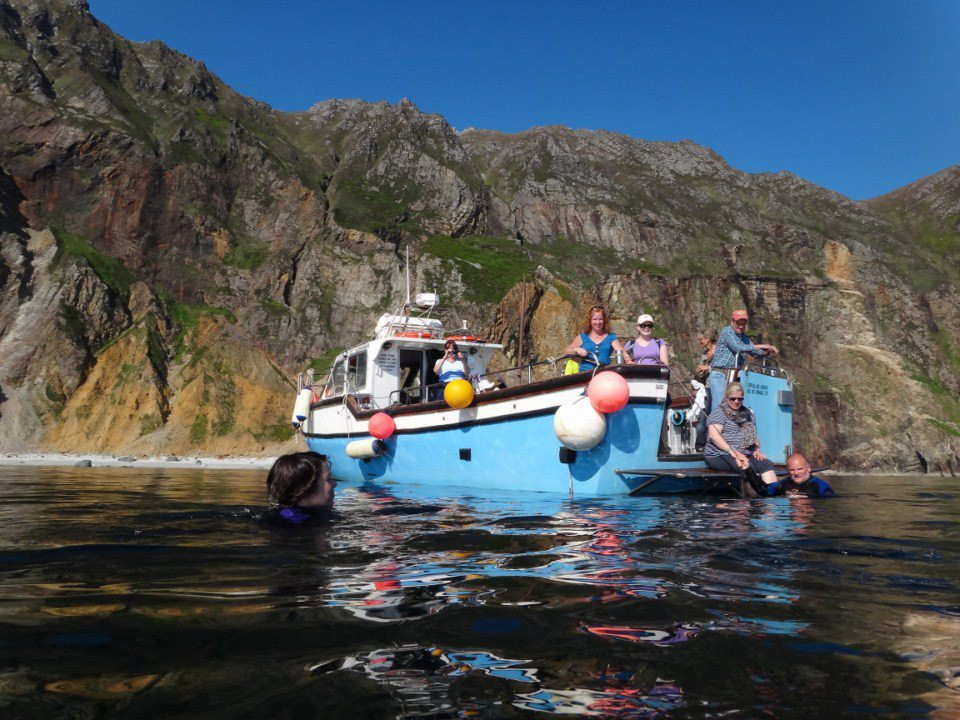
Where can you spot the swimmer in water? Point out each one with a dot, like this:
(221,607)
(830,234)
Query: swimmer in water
(300,486)
(801,482)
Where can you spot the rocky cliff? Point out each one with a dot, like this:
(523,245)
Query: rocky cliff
(172,252)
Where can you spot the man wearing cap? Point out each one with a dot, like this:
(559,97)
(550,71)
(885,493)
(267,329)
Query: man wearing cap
(732,342)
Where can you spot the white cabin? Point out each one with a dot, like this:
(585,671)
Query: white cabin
(396,367)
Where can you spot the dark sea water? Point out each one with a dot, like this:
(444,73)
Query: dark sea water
(142,593)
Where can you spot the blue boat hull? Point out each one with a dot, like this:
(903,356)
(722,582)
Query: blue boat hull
(517,454)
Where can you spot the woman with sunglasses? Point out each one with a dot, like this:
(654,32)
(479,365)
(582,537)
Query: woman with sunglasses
(595,339)
(732,442)
(647,349)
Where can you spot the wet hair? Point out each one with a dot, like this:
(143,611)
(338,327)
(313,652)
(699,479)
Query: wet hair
(293,476)
(590,311)
(732,388)
(450,343)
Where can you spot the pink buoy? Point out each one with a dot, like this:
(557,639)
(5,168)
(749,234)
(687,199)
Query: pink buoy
(608,392)
(381,426)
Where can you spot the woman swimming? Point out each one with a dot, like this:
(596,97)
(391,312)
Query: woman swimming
(300,486)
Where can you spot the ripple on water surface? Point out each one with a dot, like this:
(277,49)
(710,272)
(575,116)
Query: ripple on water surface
(165,593)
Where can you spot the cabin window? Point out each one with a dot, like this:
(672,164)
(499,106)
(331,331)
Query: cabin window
(357,371)
(337,377)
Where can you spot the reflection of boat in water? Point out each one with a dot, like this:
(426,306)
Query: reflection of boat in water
(505,438)
(425,678)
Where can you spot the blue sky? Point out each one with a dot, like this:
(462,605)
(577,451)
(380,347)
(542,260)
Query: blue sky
(860,96)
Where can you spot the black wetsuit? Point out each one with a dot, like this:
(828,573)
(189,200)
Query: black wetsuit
(813,487)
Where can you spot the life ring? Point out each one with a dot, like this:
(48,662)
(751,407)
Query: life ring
(422,334)
(464,338)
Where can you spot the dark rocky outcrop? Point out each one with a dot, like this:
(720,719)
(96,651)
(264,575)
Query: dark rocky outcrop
(171,249)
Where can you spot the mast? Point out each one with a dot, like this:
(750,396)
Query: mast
(523,305)
(408,274)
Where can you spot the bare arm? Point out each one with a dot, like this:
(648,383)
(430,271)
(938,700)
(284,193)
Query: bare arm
(576,348)
(664,355)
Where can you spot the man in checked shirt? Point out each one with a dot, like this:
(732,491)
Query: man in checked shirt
(731,344)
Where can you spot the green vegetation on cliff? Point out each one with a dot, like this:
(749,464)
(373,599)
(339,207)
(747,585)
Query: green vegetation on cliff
(489,266)
(114,273)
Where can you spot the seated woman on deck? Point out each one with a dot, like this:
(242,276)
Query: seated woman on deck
(595,338)
(300,486)
(732,442)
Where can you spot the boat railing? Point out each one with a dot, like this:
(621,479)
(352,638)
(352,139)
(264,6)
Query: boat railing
(487,381)
(682,391)
(522,374)
(765,365)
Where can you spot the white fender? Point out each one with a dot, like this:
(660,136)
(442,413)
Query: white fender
(578,426)
(301,408)
(371,447)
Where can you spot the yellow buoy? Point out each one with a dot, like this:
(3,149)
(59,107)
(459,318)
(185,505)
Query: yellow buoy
(458,393)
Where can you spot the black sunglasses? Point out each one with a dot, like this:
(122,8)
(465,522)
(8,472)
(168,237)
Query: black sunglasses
(646,325)
(731,399)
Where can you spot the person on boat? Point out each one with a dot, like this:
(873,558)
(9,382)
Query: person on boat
(801,481)
(700,383)
(697,414)
(708,345)
(647,349)
(453,365)
(300,486)
(595,339)
(732,442)
(732,343)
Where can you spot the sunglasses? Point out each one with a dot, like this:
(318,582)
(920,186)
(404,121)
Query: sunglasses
(740,322)
(734,399)
(646,325)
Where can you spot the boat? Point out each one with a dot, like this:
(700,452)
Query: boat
(506,438)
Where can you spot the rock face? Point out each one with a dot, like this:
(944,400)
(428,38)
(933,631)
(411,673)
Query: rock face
(173,252)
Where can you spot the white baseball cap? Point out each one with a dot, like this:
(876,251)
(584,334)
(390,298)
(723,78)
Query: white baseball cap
(644,318)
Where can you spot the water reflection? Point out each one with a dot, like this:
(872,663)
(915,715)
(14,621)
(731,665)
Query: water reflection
(424,677)
(124,589)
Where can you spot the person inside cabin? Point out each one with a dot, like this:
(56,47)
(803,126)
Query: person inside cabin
(732,343)
(647,349)
(300,487)
(801,482)
(595,340)
(732,442)
(453,365)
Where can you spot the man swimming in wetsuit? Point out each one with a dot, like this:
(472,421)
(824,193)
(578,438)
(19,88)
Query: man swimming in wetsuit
(800,482)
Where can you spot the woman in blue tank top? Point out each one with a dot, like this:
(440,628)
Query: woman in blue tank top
(595,338)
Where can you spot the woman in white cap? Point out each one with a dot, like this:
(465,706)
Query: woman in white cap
(647,349)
